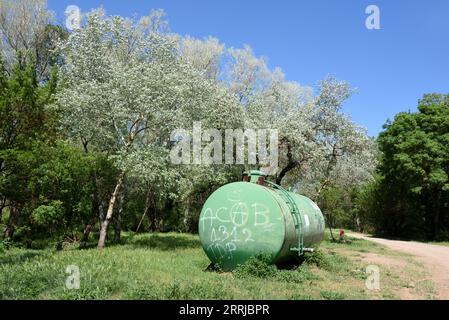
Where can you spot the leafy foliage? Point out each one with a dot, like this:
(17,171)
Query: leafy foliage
(86,118)
(410,198)
(257,266)
(51,214)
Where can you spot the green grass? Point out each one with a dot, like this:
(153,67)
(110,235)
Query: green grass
(173,266)
(440,243)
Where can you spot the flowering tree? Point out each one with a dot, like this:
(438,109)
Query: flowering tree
(315,137)
(204,55)
(127,85)
(125,89)
(26,31)
(318,143)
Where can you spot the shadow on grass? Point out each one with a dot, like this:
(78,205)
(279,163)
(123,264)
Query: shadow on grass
(411,237)
(162,242)
(18,258)
(396,238)
(159,241)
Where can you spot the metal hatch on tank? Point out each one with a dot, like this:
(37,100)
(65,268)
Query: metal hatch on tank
(244,218)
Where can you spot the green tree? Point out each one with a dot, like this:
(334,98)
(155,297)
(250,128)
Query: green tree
(124,90)
(414,185)
(23,120)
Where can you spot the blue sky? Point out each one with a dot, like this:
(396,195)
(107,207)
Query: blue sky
(309,39)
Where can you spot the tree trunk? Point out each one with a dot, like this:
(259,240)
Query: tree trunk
(118,219)
(117,230)
(85,238)
(2,206)
(107,220)
(290,165)
(96,211)
(12,221)
(141,220)
(29,240)
(436,217)
(154,222)
(186,219)
(152,214)
(321,189)
(149,208)
(283,172)
(330,225)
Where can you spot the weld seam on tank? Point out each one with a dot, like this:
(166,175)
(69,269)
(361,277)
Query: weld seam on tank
(284,243)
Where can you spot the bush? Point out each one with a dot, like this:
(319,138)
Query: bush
(332,295)
(317,258)
(6,244)
(258,266)
(329,261)
(52,214)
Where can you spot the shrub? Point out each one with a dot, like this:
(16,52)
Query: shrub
(52,214)
(317,258)
(332,295)
(258,266)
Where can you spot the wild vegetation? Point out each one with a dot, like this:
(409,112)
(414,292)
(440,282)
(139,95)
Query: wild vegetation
(86,118)
(410,197)
(173,266)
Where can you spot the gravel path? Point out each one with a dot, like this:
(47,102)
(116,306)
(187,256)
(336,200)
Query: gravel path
(434,257)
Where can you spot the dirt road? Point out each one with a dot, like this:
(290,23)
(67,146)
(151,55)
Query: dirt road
(434,257)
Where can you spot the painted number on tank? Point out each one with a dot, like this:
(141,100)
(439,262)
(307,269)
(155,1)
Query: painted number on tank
(231,227)
(248,234)
(223,235)
(234,235)
(222,229)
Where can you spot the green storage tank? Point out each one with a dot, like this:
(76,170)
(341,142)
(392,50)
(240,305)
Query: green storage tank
(242,219)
